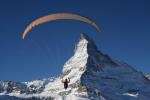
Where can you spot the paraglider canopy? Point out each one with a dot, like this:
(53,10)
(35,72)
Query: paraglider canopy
(57,16)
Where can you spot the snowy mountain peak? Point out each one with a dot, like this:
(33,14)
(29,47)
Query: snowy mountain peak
(86,59)
(92,72)
(84,50)
(93,76)
(85,44)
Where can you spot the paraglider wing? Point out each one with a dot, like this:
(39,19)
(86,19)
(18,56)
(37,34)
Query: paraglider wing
(57,16)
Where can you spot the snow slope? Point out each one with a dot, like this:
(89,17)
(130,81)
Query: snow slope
(93,75)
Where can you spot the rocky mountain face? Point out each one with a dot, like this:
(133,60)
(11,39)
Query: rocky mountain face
(93,76)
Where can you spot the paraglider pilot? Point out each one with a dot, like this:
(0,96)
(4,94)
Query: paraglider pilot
(66,83)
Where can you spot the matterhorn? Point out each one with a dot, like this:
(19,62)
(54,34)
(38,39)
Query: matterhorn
(93,76)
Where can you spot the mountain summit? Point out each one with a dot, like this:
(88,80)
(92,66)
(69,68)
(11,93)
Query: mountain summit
(93,76)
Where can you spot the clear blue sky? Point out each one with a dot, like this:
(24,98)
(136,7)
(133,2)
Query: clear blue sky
(125,35)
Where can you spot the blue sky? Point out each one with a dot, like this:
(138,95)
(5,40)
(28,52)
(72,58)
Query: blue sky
(125,35)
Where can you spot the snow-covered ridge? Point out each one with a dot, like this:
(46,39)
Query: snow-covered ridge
(148,76)
(93,75)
